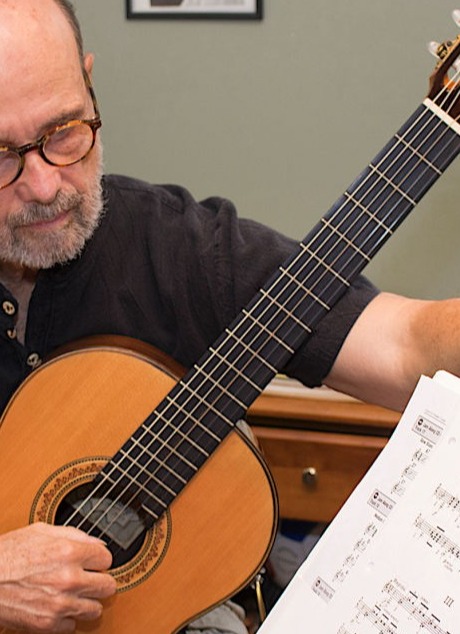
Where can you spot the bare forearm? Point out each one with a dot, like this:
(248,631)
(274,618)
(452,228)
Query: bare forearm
(393,343)
(436,330)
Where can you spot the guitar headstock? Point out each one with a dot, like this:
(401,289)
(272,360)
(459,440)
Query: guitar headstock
(445,79)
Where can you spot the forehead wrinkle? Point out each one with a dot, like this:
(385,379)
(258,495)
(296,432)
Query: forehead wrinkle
(12,143)
(66,115)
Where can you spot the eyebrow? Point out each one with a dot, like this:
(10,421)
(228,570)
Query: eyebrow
(71,115)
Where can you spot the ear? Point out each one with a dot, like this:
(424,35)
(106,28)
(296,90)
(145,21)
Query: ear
(88,63)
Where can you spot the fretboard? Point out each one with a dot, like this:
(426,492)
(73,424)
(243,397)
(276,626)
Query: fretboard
(157,462)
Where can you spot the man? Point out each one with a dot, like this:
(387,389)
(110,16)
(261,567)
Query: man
(156,265)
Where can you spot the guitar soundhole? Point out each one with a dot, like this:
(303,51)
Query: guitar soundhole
(120,526)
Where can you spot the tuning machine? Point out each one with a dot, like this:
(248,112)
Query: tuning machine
(441,50)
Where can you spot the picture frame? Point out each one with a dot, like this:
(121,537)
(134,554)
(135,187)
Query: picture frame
(194,9)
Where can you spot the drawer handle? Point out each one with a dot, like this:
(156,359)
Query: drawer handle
(309,476)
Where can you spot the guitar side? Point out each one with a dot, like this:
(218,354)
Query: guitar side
(62,426)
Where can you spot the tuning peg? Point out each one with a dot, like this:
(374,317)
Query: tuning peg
(441,50)
(456,16)
(433,48)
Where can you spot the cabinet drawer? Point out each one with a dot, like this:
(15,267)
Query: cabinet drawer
(315,472)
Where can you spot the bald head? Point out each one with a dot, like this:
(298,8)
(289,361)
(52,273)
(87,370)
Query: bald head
(37,36)
(69,12)
(46,29)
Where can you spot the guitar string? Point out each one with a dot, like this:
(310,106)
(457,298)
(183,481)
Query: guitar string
(188,388)
(277,281)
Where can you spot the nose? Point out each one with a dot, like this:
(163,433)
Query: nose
(39,181)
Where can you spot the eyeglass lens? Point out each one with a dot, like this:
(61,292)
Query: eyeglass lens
(68,144)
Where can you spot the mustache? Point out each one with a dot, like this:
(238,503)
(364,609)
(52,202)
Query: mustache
(38,212)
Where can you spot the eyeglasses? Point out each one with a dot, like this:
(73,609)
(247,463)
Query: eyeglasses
(62,146)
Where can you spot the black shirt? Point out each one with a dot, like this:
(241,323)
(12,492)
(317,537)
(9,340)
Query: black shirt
(170,271)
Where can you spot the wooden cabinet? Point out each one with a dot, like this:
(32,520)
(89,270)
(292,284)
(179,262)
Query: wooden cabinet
(318,449)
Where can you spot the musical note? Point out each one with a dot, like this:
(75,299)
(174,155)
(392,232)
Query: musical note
(397,611)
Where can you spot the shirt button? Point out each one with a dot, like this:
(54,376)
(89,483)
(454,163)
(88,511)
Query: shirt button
(11,333)
(33,360)
(8,307)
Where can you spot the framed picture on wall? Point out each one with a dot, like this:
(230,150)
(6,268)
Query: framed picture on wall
(236,9)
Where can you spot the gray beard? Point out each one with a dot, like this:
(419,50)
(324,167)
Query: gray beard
(25,247)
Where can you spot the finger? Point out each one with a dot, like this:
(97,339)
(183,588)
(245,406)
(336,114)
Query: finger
(75,582)
(98,586)
(69,532)
(97,558)
(88,555)
(86,610)
(64,626)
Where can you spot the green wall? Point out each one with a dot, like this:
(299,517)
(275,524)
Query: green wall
(281,114)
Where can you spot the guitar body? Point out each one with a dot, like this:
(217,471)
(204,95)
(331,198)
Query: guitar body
(68,421)
(63,425)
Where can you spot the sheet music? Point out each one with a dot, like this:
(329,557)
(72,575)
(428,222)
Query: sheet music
(390,561)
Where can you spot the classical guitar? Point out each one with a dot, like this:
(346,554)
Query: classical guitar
(106,439)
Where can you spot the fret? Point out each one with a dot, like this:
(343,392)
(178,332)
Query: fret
(303,288)
(424,134)
(244,377)
(289,293)
(418,154)
(218,367)
(401,167)
(192,407)
(384,212)
(441,114)
(430,137)
(371,215)
(132,466)
(303,279)
(160,439)
(239,348)
(161,452)
(152,458)
(243,381)
(172,451)
(265,311)
(253,354)
(392,183)
(287,312)
(363,224)
(205,405)
(256,332)
(239,382)
(129,493)
(153,515)
(210,380)
(199,404)
(384,200)
(354,247)
(325,266)
(141,469)
(443,152)
(270,333)
(149,475)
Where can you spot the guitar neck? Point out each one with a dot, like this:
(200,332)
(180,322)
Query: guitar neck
(206,404)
